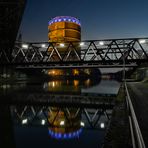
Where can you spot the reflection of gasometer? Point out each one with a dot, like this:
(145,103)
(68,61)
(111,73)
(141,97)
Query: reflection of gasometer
(65,123)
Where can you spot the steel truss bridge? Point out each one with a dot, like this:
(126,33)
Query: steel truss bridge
(94,53)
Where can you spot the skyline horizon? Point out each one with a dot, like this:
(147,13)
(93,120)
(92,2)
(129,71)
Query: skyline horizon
(105,20)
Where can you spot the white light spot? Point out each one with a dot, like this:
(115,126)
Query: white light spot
(24,121)
(142,41)
(102,125)
(43,122)
(82,124)
(25,46)
(101,43)
(62,123)
(62,45)
(43,45)
(82,44)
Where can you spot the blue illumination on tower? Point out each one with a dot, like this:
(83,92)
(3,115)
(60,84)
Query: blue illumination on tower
(64,19)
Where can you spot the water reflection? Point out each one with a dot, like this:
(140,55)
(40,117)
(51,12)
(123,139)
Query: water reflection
(109,87)
(69,85)
(60,123)
(50,126)
(60,110)
(65,123)
(61,119)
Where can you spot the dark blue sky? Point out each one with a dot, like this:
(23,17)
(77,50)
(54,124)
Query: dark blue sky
(100,19)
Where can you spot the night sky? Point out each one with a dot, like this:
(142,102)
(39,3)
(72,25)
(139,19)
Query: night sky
(100,19)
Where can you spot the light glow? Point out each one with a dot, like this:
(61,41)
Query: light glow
(71,135)
(82,124)
(64,19)
(53,84)
(142,41)
(43,45)
(24,121)
(101,43)
(43,122)
(82,44)
(25,46)
(102,125)
(62,122)
(62,45)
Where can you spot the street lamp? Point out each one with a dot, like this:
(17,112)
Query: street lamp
(142,41)
(82,44)
(101,43)
(43,45)
(25,46)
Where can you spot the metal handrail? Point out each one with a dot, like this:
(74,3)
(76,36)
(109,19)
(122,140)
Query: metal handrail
(133,122)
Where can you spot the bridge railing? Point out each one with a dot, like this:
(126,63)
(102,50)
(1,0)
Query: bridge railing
(95,51)
(136,136)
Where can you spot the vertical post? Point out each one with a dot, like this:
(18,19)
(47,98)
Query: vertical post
(124,61)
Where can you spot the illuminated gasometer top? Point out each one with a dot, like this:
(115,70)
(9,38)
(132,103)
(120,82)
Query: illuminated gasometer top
(64,19)
(63,29)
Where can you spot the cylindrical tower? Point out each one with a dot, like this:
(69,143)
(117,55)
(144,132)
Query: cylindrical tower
(63,29)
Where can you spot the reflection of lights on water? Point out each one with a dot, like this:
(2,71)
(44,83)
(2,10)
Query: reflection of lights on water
(102,125)
(57,135)
(5,75)
(5,86)
(53,84)
(67,82)
(76,83)
(62,45)
(45,85)
(87,82)
(62,123)
(24,121)
(43,122)
(82,123)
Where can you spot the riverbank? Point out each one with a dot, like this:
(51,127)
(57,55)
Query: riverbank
(117,134)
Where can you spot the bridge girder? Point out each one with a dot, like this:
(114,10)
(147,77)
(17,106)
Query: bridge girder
(113,52)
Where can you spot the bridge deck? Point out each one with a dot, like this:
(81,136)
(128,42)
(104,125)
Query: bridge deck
(139,95)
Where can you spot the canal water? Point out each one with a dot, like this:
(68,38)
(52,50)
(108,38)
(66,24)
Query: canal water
(56,113)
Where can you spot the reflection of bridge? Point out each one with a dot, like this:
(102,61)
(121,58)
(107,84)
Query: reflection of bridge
(47,99)
(105,53)
(38,116)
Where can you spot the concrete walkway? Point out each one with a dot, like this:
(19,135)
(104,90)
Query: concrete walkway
(139,95)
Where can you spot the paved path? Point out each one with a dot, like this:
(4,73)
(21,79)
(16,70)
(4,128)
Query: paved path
(139,95)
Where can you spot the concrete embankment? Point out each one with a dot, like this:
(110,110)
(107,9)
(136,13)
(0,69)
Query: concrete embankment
(117,134)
